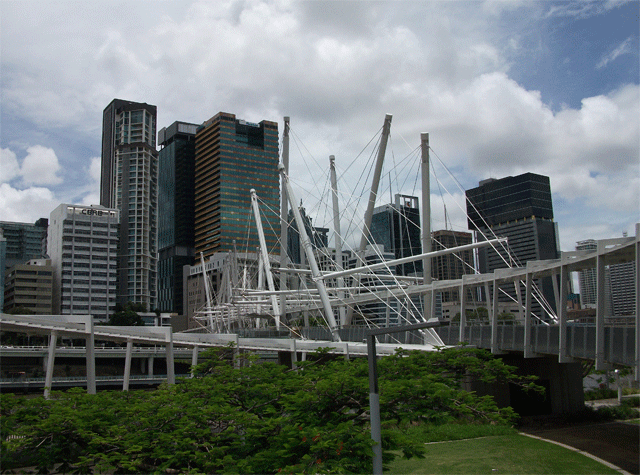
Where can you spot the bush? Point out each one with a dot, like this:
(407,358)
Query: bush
(600,393)
(257,418)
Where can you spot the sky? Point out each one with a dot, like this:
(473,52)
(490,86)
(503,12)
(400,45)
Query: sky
(503,87)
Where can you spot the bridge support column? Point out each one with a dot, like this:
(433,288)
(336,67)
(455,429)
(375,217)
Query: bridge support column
(528,345)
(150,365)
(91,354)
(600,365)
(51,356)
(563,346)
(194,359)
(562,383)
(171,375)
(127,365)
(463,311)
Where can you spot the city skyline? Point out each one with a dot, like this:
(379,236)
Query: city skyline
(502,87)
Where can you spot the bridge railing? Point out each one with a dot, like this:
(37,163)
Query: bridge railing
(619,340)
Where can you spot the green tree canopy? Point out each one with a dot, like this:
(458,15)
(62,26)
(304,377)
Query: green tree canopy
(127,316)
(242,416)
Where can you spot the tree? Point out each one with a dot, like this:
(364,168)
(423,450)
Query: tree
(243,416)
(127,316)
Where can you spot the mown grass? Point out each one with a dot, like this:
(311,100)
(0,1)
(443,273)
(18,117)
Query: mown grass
(492,450)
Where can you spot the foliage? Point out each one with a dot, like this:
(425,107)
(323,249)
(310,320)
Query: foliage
(127,315)
(242,416)
(600,393)
(21,310)
(611,413)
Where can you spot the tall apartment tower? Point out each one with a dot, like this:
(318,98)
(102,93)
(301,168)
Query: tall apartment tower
(129,182)
(83,246)
(232,157)
(397,227)
(520,209)
(176,211)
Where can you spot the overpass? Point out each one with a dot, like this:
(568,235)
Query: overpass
(559,339)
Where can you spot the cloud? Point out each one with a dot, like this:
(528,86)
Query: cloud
(40,166)
(622,48)
(92,196)
(335,68)
(26,205)
(9,166)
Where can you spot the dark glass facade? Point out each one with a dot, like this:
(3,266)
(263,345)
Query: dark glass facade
(24,241)
(232,157)
(520,209)
(319,237)
(176,211)
(397,227)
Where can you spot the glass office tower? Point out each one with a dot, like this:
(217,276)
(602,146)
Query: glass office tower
(518,208)
(397,227)
(176,212)
(232,157)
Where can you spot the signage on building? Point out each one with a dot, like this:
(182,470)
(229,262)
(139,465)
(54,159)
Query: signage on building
(93,211)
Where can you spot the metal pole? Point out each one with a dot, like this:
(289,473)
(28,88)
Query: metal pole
(315,272)
(338,236)
(426,223)
(284,219)
(374,405)
(265,256)
(374,394)
(384,138)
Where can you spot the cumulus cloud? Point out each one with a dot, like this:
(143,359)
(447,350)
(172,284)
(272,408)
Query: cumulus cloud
(9,166)
(92,196)
(335,68)
(26,205)
(40,166)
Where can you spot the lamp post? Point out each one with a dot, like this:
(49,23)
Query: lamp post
(374,395)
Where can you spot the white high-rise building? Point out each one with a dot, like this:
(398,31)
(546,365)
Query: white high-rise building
(129,182)
(83,247)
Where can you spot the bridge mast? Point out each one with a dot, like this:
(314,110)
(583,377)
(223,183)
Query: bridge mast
(308,249)
(384,138)
(338,235)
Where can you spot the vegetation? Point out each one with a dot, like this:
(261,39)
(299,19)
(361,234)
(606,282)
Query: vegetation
(244,417)
(127,315)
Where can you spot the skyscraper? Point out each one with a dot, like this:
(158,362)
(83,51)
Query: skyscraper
(397,227)
(520,209)
(83,245)
(129,182)
(176,212)
(232,157)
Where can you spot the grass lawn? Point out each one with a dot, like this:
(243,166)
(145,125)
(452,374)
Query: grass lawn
(498,454)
